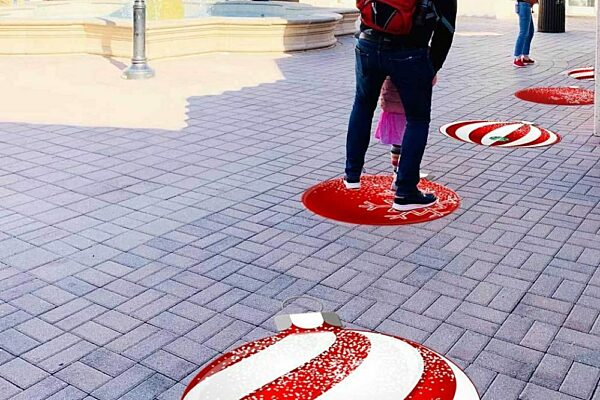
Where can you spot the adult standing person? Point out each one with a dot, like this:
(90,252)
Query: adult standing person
(394,41)
(524,8)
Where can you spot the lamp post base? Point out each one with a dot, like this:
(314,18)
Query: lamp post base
(138,71)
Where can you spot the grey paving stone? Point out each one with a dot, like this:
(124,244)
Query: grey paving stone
(21,373)
(540,336)
(42,390)
(67,356)
(191,351)
(108,362)
(32,304)
(80,317)
(504,387)
(7,389)
(118,321)
(16,342)
(50,348)
(57,270)
(68,393)
(481,378)
(83,377)
(170,365)
(504,365)
(150,388)
(173,323)
(149,345)
(581,381)
(123,383)
(535,392)
(39,330)
(551,372)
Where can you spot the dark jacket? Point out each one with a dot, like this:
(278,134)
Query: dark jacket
(436,34)
(442,36)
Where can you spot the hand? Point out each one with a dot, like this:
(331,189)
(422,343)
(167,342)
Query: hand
(435,79)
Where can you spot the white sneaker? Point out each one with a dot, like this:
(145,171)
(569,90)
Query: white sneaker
(352,185)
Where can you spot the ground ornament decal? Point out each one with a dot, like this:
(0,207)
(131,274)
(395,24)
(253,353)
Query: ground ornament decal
(582,74)
(372,204)
(560,96)
(500,134)
(320,361)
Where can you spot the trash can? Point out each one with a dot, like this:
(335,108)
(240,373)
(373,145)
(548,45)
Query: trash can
(552,16)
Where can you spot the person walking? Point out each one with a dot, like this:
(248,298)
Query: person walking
(524,8)
(394,41)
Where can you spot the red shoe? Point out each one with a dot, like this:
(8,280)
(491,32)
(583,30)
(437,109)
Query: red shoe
(528,61)
(519,63)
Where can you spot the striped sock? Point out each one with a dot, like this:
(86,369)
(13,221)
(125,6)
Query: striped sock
(395,156)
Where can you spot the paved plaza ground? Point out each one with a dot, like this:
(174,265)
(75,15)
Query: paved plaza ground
(130,257)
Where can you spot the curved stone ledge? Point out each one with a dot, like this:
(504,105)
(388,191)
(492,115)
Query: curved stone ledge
(174,38)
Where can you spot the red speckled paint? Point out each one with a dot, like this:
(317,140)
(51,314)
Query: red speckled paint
(563,96)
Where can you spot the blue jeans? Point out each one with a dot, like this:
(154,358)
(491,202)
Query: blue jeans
(526,30)
(412,73)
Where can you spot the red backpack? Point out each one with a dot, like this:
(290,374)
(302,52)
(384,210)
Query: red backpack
(390,16)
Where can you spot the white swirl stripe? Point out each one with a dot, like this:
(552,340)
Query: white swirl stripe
(582,73)
(393,367)
(244,377)
(501,132)
(464,132)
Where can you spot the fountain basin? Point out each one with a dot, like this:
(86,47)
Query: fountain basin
(174,28)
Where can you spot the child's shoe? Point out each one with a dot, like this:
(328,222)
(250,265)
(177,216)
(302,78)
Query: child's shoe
(422,176)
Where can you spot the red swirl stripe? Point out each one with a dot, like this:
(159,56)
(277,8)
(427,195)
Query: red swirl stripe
(320,374)
(452,129)
(234,357)
(583,73)
(437,382)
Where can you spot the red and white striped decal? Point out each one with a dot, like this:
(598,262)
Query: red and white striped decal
(582,74)
(500,134)
(330,363)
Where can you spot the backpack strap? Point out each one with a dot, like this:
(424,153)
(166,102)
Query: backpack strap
(448,25)
(442,19)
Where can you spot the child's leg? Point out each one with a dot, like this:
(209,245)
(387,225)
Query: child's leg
(395,152)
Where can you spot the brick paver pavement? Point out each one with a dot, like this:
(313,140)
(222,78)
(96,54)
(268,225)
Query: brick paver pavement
(130,258)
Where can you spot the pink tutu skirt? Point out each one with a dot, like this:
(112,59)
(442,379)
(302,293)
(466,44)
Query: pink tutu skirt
(391,128)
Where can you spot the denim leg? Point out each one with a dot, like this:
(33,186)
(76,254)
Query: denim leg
(525,21)
(412,73)
(369,80)
(529,38)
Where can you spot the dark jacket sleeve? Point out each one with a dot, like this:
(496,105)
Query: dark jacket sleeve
(442,35)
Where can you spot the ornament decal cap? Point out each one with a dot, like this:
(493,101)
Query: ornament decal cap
(310,320)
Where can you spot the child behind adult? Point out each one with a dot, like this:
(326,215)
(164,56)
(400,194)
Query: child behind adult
(392,124)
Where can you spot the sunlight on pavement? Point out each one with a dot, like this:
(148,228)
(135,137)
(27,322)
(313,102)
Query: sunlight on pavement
(88,91)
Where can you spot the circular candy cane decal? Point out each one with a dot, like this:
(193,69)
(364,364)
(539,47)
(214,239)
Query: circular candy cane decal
(331,363)
(372,204)
(500,134)
(582,74)
(561,96)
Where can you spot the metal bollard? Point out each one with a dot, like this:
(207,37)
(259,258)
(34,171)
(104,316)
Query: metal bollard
(139,68)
